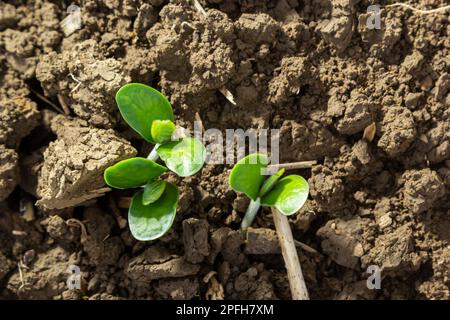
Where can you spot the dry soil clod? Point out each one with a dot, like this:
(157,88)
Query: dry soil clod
(226,93)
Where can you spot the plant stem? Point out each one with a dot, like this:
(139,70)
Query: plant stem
(250,214)
(290,256)
(153,154)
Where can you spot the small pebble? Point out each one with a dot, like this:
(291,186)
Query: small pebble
(29,256)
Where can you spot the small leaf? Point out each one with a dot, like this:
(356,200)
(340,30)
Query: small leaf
(132,173)
(152,221)
(184,157)
(162,130)
(270,182)
(153,191)
(288,195)
(246,176)
(140,105)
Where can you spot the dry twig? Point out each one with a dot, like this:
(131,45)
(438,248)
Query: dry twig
(47,101)
(407,6)
(292,165)
(305,247)
(76,80)
(22,281)
(84,234)
(63,104)
(290,256)
(121,221)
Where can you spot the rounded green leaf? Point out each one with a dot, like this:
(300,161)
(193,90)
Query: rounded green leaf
(153,191)
(270,182)
(132,173)
(140,105)
(152,221)
(288,195)
(247,175)
(162,130)
(184,157)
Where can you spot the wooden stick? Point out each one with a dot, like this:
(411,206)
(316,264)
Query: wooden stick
(63,104)
(293,165)
(305,247)
(290,256)
(199,7)
(47,101)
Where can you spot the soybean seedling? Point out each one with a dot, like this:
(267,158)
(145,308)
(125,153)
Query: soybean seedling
(285,195)
(153,209)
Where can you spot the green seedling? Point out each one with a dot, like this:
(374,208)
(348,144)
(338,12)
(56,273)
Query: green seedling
(286,194)
(149,113)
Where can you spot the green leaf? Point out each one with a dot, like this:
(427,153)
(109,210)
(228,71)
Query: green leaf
(162,130)
(288,195)
(153,191)
(152,221)
(184,157)
(270,182)
(132,173)
(140,105)
(247,175)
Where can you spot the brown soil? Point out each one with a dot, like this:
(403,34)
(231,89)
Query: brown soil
(309,68)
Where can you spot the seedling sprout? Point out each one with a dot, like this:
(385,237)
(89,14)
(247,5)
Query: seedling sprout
(285,195)
(153,209)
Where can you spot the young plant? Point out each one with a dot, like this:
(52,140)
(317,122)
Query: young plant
(149,113)
(287,194)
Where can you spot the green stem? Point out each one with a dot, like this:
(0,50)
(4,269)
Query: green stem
(153,154)
(250,214)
